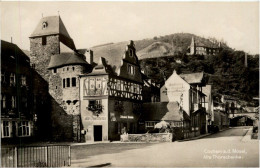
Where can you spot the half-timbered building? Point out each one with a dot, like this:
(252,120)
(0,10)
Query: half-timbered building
(111,95)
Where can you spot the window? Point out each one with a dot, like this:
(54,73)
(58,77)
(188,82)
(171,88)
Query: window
(6,129)
(118,85)
(13,102)
(94,105)
(23,128)
(92,83)
(131,52)
(4,101)
(44,41)
(68,82)
(68,68)
(131,69)
(24,102)
(135,88)
(55,70)
(73,68)
(98,83)
(23,80)
(138,90)
(64,83)
(122,86)
(12,79)
(73,82)
(3,77)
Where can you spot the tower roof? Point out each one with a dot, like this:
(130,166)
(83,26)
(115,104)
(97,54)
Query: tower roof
(52,25)
(65,59)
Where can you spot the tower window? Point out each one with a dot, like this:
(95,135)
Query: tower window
(44,41)
(68,82)
(73,82)
(64,83)
(55,70)
(73,68)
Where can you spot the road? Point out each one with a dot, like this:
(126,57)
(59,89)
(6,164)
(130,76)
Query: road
(223,149)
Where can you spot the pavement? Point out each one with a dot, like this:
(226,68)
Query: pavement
(247,137)
(224,149)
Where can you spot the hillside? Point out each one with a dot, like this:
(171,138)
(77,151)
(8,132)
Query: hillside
(226,71)
(159,56)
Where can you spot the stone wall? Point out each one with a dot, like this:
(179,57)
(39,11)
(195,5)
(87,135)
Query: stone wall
(40,55)
(154,137)
(67,100)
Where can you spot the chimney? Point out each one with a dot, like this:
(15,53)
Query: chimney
(245,59)
(89,56)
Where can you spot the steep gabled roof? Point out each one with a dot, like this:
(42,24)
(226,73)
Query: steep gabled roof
(10,49)
(53,26)
(63,59)
(193,78)
(112,53)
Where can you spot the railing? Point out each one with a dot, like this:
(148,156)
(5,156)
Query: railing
(36,156)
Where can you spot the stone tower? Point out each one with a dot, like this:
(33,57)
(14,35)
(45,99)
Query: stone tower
(46,40)
(56,59)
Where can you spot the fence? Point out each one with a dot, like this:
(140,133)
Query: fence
(36,156)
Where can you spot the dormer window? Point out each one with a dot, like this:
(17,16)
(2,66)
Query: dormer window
(12,79)
(44,25)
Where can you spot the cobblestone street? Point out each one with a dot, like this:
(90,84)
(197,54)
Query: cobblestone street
(224,149)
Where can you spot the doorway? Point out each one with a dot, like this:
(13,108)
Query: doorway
(97,132)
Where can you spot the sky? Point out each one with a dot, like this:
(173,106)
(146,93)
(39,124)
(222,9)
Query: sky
(94,23)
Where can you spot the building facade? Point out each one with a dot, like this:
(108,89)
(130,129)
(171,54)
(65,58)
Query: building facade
(111,95)
(24,97)
(59,62)
(203,48)
(186,89)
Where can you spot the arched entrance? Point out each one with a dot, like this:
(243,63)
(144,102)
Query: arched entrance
(241,121)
